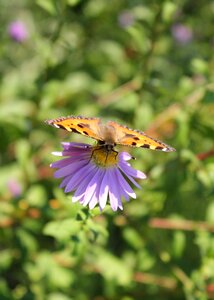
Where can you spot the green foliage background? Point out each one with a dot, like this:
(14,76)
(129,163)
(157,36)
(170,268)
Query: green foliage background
(119,60)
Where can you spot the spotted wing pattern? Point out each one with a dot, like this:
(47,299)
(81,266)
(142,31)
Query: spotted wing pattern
(120,134)
(81,125)
(134,138)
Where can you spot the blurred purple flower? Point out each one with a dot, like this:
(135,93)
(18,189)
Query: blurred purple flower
(125,19)
(181,33)
(17,31)
(14,187)
(96,175)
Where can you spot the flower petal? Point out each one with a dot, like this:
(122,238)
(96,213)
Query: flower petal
(104,189)
(118,190)
(65,181)
(125,184)
(131,179)
(94,184)
(71,168)
(78,177)
(114,193)
(61,163)
(77,154)
(94,200)
(125,156)
(80,192)
(68,145)
(125,167)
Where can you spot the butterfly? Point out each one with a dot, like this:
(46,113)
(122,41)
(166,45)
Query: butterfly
(109,134)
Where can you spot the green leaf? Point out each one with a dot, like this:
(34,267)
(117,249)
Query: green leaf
(208,97)
(47,270)
(59,296)
(73,2)
(113,268)
(5,293)
(169,9)
(133,238)
(210,213)
(6,258)
(179,243)
(48,5)
(63,229)
(27,240)
(23,149)
(36,195)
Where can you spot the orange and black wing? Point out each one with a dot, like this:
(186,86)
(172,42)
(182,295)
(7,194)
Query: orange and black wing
(134,138)
(85,126)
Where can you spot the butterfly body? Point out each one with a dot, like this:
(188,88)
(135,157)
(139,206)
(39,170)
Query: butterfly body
(109,134)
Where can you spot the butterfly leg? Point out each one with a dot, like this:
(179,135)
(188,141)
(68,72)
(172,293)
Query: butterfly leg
(108,149)
(104,155)
(94,150)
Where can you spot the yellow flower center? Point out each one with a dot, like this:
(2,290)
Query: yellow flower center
(104,157)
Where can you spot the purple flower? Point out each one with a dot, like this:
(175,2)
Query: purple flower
(126,19)
(14,187)
(18,31)
(96,175)
(181,33)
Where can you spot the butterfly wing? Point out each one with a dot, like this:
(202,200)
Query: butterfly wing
(134,138)
(78,124)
